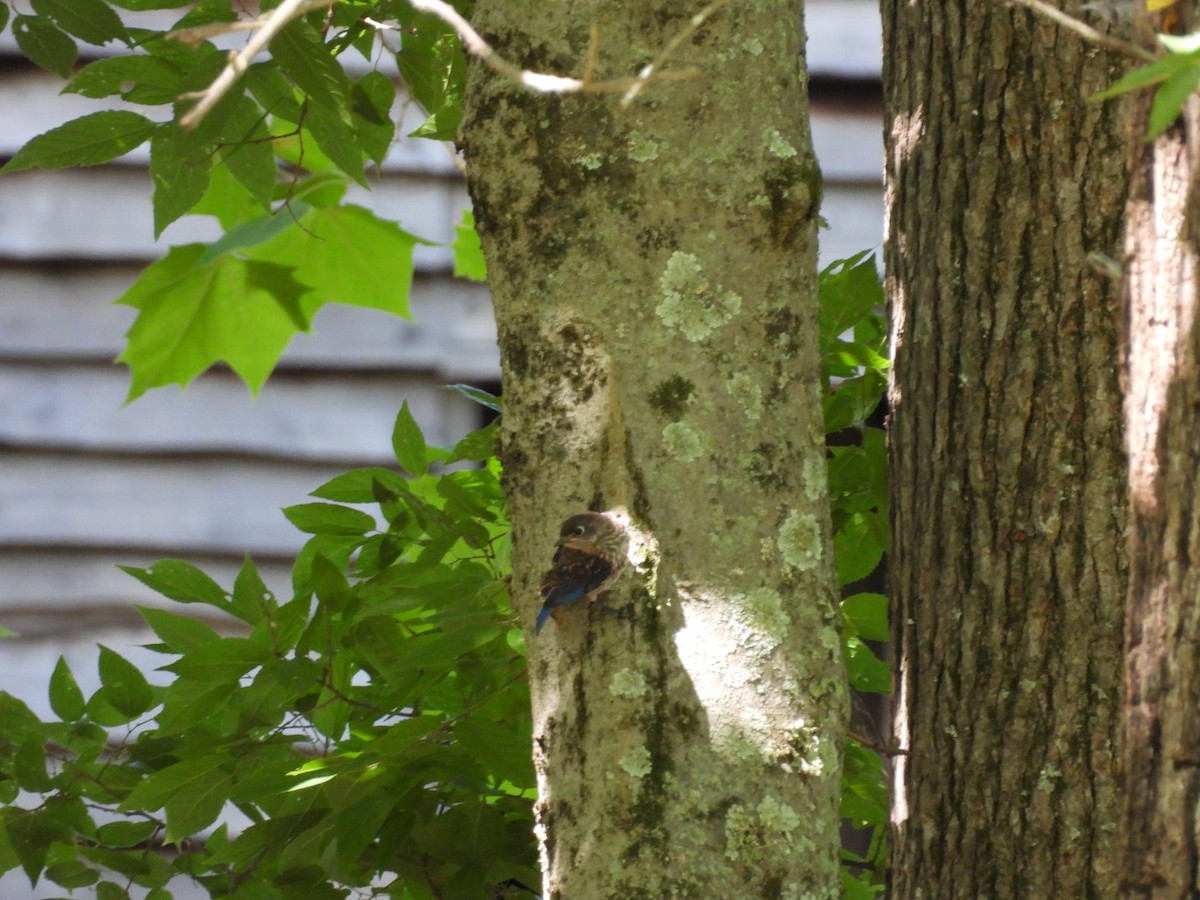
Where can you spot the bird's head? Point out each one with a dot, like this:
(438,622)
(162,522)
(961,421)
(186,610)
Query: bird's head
(592,532)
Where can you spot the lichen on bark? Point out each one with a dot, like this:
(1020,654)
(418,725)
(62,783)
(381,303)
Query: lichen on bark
(633,280)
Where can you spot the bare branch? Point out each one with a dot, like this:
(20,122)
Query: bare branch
(559,84)
(1084,30)
(270,25)
(692,27)
(240,61)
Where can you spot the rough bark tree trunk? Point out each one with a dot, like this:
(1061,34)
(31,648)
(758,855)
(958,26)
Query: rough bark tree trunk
(1161,746)
(653,273)
(1008,571)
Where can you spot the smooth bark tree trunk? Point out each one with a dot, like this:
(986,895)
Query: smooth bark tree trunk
(1008,567)
(653,270)
(1162,700)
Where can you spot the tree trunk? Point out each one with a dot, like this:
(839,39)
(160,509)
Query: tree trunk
(1162,700)
(653,273)
(1008,571)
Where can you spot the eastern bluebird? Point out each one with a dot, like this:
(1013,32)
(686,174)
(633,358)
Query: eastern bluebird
(590,555)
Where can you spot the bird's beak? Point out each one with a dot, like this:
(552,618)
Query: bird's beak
(574,543)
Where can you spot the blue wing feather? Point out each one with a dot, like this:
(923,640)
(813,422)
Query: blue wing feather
(575,575)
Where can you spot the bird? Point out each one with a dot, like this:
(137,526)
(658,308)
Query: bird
(590,555)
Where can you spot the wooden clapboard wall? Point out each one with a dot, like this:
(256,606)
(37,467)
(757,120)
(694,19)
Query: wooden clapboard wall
(87,483)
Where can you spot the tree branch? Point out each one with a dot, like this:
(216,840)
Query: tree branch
(239,62)
(559,84)
(1084,30)
(269,26)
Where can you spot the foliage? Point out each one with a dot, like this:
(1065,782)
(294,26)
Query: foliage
(271,163)
(372,729)
(853,342)
(1174,78)
(368,734)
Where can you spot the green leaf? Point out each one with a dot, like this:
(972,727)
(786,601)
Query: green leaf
(139,79)
(29,767)
(3,17)
(180,581)
(222,661)
(867,672)
(251,597)
(433,66)
(48,46)
(66,699)
(72,874)
(478,395)
(1170,97)
(850,290)
(858,888)
(331,129)
(179,169)
(408,443)
(192,792)
(256,231)
(867,615)
(306,60)
(87,141)
(476,446)
(468,254)
(329,518)
(89,20)
(124,685)
(371,101)
(242,312)
(853,400)
(108,890)
(349,254)
(179,633)
(125,834)
(31,834)
(1140,78)
(858,546)
(359,485)
(227,200)
(250,155)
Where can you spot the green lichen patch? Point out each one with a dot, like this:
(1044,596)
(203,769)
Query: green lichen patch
(682,442)
(778,816)
(627,683)
(765,608)
(636,763)
(748,393)
(800,540)
(690,301)
(777,145)
(642,149)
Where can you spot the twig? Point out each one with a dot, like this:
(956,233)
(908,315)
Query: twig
(692,27)
(268,27)
(559,84)
(1084,30)
(239,62)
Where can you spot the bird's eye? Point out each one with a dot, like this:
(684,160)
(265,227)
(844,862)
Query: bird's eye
(579,531)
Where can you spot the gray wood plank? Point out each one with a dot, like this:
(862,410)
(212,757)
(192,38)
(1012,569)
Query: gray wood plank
(46,593)
(320,416)
(65,313)
(177,506)
(105,214)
